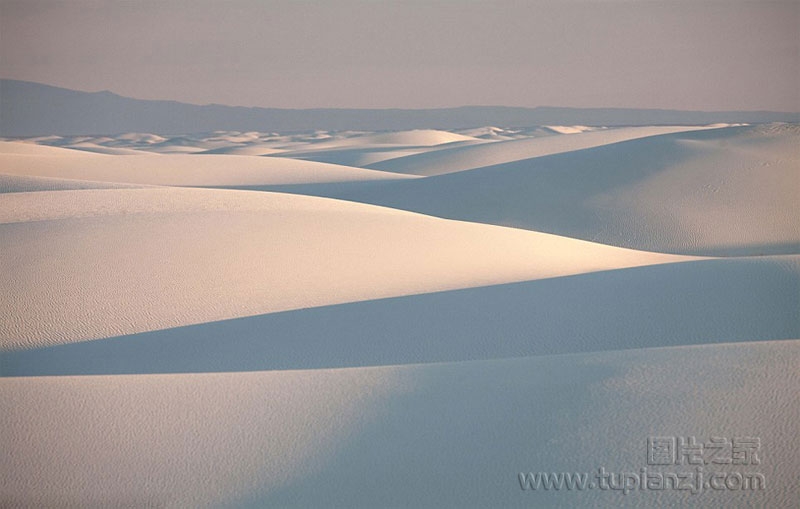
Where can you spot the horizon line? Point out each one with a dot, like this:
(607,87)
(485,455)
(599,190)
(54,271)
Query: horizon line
(392,108)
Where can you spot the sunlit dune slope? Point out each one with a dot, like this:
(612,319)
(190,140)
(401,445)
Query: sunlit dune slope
(29,160)
(96,263)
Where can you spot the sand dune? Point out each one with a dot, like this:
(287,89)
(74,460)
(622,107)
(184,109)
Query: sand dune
(253,348)
(416,137)
(475,156)
(438,435)
(244,150)
(100,149)
(22,184)
(368,149)
(19,148)
(721,192)
(169,148)
(141,138)
(187,256)
(515,133)
(174,170)
(219,142)
(359,157)
(568,129)
(696,302)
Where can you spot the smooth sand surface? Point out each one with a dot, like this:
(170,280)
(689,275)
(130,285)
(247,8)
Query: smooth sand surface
(22,159)
(476,156)
(88,264)
(436,435)
(481,304)
(721,192)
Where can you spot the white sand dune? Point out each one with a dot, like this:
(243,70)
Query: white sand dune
(467,157)
(516,133)
(256,149)
(312,145)
(176,149)
(22,184)
(168,346)
(19,148)
(414,138)
(695,302)
(100,149)
(438,435)
(189,144)
(164,257)
(141,138)
(487,133)
(251,143)
(567,129)
(174,170)
(358,157)
(367,149)
(721,192)
(122,142)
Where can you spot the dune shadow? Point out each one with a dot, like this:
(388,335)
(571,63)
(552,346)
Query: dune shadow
(588,194)
(723,300)
(459,434)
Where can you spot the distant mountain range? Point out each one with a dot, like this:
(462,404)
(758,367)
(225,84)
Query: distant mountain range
(32,109)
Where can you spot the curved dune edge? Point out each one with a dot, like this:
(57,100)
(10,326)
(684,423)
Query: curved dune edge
(469,157)
(673,304)
(25,184)
(25,159)
(414,137)
(92,263)
(720,192)
(345,437)
(29,148)
(244,150)
(101,149)
(358,156)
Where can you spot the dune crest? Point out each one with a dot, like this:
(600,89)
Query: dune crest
(193,170)
(260,253)
(719,192)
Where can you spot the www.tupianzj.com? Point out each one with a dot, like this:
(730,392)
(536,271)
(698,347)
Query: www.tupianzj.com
(693,481)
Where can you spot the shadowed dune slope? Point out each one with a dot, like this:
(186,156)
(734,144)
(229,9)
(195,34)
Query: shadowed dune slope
(722,192)
(437,435)
(23,184)
(468,157)
(698,302)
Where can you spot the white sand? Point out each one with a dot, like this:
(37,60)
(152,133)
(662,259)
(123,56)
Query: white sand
(438,435)
(19,184)
(100,149)
(245,150)
(368,149)
(476,156)
(154,258)
(417,137)
(721,192)
(708,301)
(174,170)
(448,356)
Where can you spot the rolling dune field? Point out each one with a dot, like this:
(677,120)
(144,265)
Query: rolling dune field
(418,318)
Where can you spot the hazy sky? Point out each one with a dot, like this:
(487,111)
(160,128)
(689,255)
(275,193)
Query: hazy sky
(696,54)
